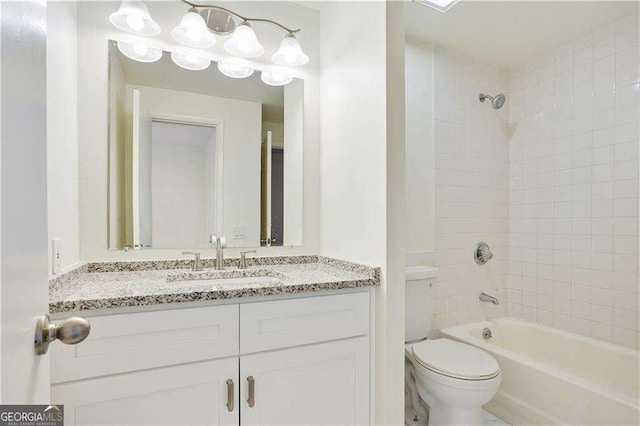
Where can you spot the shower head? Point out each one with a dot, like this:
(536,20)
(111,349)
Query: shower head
(496,101)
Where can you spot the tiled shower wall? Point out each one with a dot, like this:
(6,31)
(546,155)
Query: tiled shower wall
(471,188)
(573,186)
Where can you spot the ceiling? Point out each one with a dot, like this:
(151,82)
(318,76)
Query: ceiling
(165,74)
(508,33)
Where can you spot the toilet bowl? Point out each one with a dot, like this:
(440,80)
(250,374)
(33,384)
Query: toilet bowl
(446,382)
(453,379)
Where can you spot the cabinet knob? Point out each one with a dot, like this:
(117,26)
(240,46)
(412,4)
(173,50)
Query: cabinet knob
(252,397)
(70,332)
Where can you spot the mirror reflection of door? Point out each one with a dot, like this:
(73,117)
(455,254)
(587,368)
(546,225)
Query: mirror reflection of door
(272,224)
(277,196)
(176,184)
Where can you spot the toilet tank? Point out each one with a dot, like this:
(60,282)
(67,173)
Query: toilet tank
(419,301)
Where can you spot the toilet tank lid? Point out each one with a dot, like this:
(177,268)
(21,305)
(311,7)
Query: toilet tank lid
(415,273)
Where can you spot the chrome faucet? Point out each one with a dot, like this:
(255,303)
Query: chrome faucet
(484,297)
(219,243)
(196,262)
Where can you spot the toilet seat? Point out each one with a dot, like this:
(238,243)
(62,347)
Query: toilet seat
(456,360)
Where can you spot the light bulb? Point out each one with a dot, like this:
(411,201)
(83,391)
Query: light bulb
(194,35)
(244,43)
(193,31)
(190,61)
(133,16)
(135,22)
(139,50)
(235,69)
(290,53)
(276,77)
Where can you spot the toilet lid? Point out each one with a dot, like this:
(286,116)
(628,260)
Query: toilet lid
(455,359)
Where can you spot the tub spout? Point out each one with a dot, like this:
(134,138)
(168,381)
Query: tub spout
(484,297)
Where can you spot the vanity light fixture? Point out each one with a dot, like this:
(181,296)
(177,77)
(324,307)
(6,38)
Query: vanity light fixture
(244,43)
(234,69)
(276,77)
(134,17)
(193,31)
(290,52)
(190,61)
(197,29)
(139,50)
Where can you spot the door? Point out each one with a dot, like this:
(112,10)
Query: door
(23,182)
(277,196)
(202,393)
(265,225)
(322,384)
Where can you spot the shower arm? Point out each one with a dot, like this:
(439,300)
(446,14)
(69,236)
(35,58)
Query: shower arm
(483,97)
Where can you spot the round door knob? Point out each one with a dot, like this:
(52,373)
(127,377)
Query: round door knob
(73,330)
(70,331)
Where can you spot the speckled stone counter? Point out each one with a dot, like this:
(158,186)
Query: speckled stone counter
(105,285)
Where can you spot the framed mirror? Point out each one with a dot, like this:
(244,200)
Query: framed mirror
(195,153)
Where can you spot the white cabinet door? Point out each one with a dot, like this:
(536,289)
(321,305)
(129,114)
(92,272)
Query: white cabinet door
(191,394)
(321,384)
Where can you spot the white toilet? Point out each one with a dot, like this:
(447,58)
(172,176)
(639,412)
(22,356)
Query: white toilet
(452,378)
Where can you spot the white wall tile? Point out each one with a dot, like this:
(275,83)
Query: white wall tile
(550,182)
(588,250)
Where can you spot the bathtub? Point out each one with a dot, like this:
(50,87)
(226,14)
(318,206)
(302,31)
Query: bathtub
(550,376)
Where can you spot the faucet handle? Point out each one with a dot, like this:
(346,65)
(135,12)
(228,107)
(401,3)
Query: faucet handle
(193,253)
(222,241)
(243,258)
(196,262)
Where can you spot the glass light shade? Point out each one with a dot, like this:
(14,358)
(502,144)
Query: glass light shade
(190,61)
(290,53)
(139,51)
(134,17)
(193,31)
(244,43)
(276,77)
(235,69)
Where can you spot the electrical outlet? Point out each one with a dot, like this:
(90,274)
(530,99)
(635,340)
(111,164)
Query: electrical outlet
(56,254)
(239,232)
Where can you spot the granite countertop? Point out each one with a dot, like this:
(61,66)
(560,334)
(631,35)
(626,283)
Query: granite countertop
(105,285)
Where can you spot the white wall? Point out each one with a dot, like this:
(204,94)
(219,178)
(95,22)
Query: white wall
(117,152)
(62,136)
(95,30)
(574,186)
(293,160)
(420,98)
(362,187)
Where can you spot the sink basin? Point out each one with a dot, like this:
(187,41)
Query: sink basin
(226,276)
(259,280)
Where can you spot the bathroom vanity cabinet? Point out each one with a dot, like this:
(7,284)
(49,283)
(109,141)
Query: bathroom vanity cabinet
(293,361)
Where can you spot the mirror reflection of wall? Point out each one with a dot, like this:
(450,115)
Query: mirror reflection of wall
(187,157)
